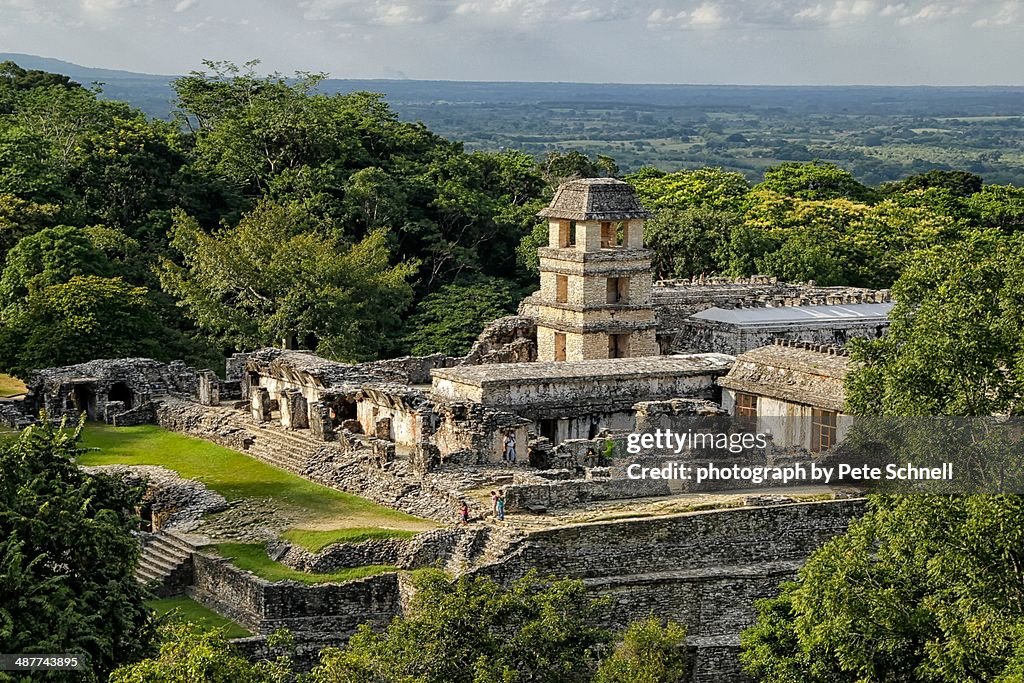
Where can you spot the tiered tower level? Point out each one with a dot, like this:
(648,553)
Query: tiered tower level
(595,275)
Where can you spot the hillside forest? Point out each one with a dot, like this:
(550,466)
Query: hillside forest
(269,212)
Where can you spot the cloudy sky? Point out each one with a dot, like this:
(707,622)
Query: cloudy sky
(634,41)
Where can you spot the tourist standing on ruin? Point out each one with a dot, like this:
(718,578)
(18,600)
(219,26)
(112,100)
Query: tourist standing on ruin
(510,448)
(464,513)
(500,506)
(494,503)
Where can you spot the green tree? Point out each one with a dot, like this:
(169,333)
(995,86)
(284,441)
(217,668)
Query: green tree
(957,183)
(954,345)
(67,556)
(474,630)
(188,655)
(648,653)
(85,318)
(689,242)
(815,180)
(805,255)
(711,188)
(999,206)
(282,274)
(922,589)
(48,257)
(449,320)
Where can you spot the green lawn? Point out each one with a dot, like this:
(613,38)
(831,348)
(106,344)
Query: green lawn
(10,386)
(238,476)
(315,541)
(182,608)
(253,557)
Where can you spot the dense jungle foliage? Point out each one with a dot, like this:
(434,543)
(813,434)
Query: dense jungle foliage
(271,213)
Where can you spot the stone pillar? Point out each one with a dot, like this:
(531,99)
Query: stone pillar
(259,401)
(425,457)
(294,410)
(208,388)
(320,421)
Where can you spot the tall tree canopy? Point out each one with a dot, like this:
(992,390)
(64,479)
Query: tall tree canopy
(954,346)
(283,274)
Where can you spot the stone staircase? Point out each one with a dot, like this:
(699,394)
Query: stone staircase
(480,546)
(165,563)
(280,448)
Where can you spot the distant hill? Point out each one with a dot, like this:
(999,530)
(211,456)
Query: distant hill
(880,133)
(149,92)
(152,93)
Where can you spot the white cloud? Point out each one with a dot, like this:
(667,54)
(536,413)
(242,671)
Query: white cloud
(1009,13)
(184,5)
(706,14)
(101,6)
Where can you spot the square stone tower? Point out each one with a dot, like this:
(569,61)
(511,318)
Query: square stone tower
(595,275)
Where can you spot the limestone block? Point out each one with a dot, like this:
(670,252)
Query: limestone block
(208,388)
(294,410)
(259,402)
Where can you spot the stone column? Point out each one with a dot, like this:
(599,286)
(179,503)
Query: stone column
(259,401)
(208,388)
(294,410)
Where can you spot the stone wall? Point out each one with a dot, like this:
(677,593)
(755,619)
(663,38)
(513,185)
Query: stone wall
(563,494)
(704,336)
(512,339)
(263,607)
(88,387)
(703,569)
(676,300)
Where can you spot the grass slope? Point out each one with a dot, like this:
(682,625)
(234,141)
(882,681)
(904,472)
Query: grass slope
(181,608)
(238,476)
(253,557)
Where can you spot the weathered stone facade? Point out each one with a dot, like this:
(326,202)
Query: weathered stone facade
(128,383)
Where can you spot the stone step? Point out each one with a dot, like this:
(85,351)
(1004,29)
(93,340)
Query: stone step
(158,565)
(157,556)
(169,540)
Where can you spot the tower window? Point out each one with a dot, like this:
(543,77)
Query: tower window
(612,234)
(566,234)
(559,346)
(618,290)
(618,346)
(561,289)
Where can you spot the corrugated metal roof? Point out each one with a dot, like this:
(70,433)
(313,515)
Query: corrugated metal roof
(755,317)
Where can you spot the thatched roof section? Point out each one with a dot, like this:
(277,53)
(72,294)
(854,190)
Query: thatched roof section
(595,199)
(804,374)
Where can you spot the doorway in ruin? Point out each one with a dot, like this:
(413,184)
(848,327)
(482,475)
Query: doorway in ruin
(548,429)
(83,398)
(119,391)
(342,409)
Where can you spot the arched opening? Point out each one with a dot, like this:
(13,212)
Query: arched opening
(119,391)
